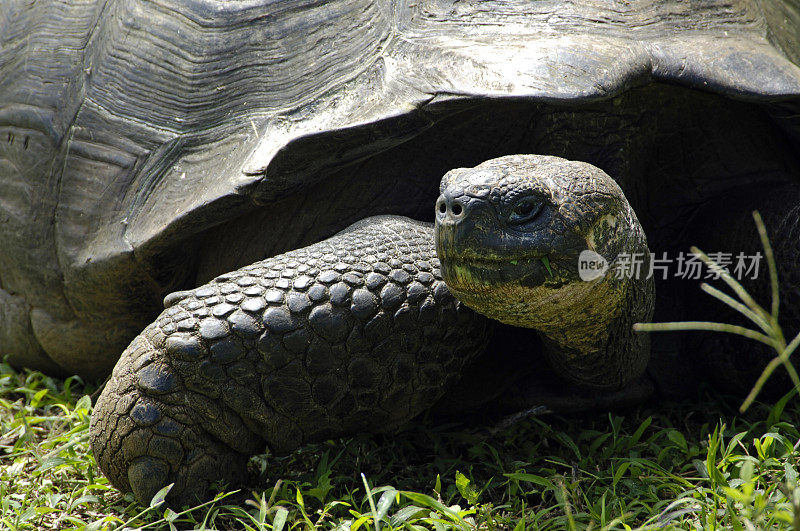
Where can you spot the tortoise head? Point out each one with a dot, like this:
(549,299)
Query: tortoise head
(510,231)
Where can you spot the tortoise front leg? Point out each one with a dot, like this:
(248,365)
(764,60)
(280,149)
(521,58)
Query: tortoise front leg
(149,429)
(354,334)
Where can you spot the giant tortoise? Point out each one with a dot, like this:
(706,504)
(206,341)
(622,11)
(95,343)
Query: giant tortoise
(152,147)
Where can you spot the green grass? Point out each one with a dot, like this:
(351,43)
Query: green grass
(685,465)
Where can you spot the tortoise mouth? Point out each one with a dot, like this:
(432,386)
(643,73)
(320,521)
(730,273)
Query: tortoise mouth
(670,148)
(493,264)
(474,259)
(483,275)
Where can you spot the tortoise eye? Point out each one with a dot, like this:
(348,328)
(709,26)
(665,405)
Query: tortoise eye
(525,210)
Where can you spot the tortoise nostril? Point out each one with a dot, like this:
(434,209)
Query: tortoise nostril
(457,209)
(442,207)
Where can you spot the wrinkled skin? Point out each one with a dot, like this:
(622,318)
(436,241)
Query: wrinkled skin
(509,233)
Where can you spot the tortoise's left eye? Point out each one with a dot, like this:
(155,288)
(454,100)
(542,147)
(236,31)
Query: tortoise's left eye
(525,210)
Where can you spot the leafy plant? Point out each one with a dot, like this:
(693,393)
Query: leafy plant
(770,332)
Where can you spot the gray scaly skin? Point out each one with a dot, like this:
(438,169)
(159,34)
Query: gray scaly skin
(509,233)
(357,333)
